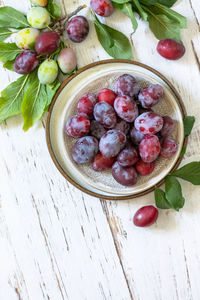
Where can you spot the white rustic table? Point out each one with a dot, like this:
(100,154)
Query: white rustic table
(58,243)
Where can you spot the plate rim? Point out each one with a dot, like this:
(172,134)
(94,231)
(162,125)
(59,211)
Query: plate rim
(48,139)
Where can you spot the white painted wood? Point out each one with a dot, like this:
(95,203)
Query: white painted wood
(58,243)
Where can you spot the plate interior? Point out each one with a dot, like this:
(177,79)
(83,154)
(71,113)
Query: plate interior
(92,80)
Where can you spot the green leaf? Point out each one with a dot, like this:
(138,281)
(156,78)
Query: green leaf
(127,9)
(12,18)
(36,101)
(188,123)
(33,104)
(167,3)
(104,32)
(54,55)
(50,2)
(4,34)
(120,1)
(50,91)
(148,2)
(142,13)
(174,193)
(121,48)
(9,65)
(183,151)
(189,172)
(163,27)
(171,14)
(12,96)
(160,199)
(8,51)
(69,73)
(54,9)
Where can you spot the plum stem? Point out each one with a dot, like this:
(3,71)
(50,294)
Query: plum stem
(49,28)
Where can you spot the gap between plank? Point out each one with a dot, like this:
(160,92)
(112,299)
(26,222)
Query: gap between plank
(117,247)
(190,1)
(195,55)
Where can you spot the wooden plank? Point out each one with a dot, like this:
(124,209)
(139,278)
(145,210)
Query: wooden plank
(162,262)
(56,241)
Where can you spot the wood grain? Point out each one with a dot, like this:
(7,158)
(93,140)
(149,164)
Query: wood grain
(58,243)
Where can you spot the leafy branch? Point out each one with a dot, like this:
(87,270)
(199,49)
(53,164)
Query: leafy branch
(59,23)
(163,21)
(172,196)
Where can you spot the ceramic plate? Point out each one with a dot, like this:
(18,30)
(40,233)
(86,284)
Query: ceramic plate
(92,78)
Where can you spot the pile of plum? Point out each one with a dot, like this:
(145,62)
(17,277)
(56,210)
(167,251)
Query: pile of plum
(119,130)
(45,49)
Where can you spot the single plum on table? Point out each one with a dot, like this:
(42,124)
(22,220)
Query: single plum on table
(128,157)
(102,163)
(127,85)
(78,29)
(67,60)
(150,95)
(145,168)
(168,126)
(112,142)
(149,148)
(47,43)
(169,148)
(105,114)
(26,62)
(96,129)
(86,105)
(103,8)
(149,123)
(145,216)
(85,149)
(107,95)
(171,49)
(126,176)
(126,108)
(77,126)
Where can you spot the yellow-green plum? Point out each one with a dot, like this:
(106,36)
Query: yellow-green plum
(39,2)
(38,17)
(67,60)
(26,38)
(48,71)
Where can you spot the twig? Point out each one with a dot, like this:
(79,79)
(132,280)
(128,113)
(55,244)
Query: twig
(66,18)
